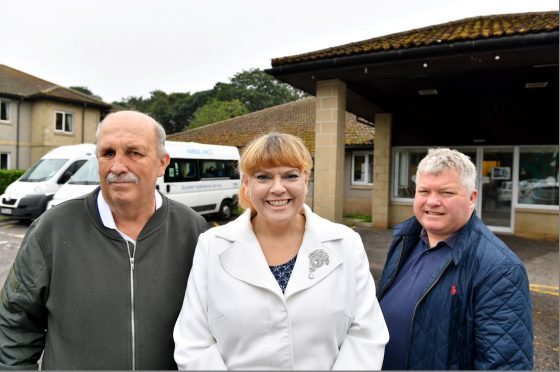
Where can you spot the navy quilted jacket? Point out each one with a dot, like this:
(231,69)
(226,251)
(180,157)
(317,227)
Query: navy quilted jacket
(475,312)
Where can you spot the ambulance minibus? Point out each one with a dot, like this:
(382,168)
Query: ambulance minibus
(204,177)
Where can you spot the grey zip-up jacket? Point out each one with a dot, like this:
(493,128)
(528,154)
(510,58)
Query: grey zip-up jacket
(75,292)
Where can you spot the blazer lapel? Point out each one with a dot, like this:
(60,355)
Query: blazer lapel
(244,259)
(318,231)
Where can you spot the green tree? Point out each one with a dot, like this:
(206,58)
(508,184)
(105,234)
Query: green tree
(86,90)
(257,90)
(159,108)
(215,111)
(134,103)
(251,90)
(173,110)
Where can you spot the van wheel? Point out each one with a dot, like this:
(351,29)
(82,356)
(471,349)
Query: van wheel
(225,211)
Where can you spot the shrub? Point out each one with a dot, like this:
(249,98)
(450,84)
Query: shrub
(8,176)
(359,217)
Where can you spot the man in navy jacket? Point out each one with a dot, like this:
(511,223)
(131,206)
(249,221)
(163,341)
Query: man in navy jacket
(454,296)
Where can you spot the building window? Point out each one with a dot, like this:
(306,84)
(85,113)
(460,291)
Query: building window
(538,176)
(4,161)
(4,110)
(404,174)
(362,168)
(64,122)
(405,164)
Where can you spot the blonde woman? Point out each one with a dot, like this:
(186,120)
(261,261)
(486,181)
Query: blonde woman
(279,287)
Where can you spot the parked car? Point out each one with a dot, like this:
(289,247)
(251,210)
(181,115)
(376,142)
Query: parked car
(504,192)
(546,194)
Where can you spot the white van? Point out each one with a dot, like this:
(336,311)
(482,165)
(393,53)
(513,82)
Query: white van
(85,180)
(27,197)
(204,177)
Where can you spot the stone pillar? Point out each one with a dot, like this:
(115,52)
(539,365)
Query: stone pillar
(381,192)
(330,109)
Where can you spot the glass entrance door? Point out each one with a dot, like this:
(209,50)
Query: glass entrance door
(495,188)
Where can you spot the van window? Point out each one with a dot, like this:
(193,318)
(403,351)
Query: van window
(185,170)
(88,174)
(209,169)
(181,170)
(69,172)
(219,169)
(230,169)
(43,170)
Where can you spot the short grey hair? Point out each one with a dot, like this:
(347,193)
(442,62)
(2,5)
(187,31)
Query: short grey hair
(160,134)
(439,159)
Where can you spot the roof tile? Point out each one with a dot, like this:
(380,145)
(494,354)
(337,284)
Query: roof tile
(20,84)
(482,27)
(297,118)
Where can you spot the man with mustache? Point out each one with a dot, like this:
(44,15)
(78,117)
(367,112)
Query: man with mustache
(453,295)
(99,281)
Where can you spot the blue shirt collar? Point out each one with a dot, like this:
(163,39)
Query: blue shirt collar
(450,241)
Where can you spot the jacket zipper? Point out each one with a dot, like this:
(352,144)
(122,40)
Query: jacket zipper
(131,259)
(416,306)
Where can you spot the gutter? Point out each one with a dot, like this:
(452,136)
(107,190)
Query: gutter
(479,45)
(17,131)
(83,120)
(103,105)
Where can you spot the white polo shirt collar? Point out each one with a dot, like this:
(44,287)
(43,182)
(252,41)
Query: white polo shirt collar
(107,216)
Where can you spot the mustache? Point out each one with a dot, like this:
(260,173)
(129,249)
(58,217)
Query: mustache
(122,178)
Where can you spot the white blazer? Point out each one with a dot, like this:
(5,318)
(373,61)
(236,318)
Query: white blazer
(235,315)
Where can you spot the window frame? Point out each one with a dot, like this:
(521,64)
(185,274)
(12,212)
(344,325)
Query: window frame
(7,154)
(7,104)
(516,192)
(366,155)
(515,174)
(64,114)
(396,172)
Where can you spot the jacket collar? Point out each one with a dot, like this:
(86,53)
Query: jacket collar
(158,219)
(321,227)
(411,227)
(244,258)
(464,239)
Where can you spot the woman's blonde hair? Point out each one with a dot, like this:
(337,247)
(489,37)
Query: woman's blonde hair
(272,150)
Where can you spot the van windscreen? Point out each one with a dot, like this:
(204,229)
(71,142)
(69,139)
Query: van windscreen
(43,170)
(88,174)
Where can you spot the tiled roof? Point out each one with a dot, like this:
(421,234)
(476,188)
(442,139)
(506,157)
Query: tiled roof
(297,118)
(483,27)
(19,84)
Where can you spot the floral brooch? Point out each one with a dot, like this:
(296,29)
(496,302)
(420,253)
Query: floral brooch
(317,258)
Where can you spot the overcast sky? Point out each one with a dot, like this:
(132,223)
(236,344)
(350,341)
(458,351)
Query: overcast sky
(121,48)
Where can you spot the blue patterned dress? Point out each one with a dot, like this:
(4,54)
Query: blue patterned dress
(283,272)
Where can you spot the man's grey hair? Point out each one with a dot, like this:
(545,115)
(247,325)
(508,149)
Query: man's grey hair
(440,159)
(160,134)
